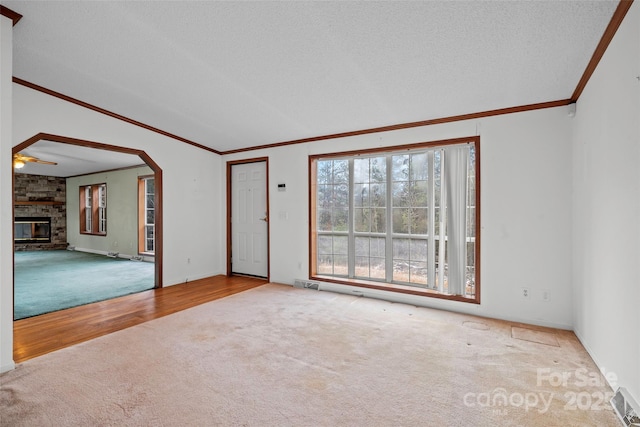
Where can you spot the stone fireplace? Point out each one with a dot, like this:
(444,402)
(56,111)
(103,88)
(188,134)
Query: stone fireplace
(40,207)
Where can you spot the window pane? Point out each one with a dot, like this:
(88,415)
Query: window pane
(377,268)
(377,246)
(400,271)
(340,171)
(102,195)
(370,257)
(340,265)
(150,217)
(341,196)
(325,196)
(324,220)
(419,249)
(378,195)
(470,281)
(379,220)
(325,244)
(400,194)
(151,200)
(401,219)
(361,220)
(361,195)
(378,169)
(362,266)
(340,245)
(419,166)
(418,272)
(151,185)
(400,166)
(419,221)
(325,264)
(360,170)
(419,193)
(324,171)
(401,249)
(362,246)
(340,219)
(437,168)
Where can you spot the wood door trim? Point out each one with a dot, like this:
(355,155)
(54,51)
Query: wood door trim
(230,164)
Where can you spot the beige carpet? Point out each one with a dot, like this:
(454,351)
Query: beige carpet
(281,356)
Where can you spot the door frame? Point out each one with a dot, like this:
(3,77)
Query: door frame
(230,165)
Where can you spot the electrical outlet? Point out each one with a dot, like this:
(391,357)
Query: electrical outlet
(526,293)
(546,295)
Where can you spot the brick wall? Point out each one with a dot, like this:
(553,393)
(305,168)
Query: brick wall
(50,193)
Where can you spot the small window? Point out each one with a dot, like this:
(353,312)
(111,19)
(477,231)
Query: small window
(146,215)
(93,209)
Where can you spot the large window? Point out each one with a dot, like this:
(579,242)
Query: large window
(93,209)
(402,219)
(146,215)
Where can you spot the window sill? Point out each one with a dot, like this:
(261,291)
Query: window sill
(86,233)
(392,287)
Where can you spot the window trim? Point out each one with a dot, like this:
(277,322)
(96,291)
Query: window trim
(393,287)
(95,209)
(142,223)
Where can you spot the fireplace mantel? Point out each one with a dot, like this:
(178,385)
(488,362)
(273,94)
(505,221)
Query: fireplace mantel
(36,202)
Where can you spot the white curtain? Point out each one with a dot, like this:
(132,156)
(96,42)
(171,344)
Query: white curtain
(456,161)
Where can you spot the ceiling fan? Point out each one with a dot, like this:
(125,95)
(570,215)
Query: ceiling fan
(19,160)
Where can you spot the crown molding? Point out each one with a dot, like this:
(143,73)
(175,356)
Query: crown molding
(14,16)
(609,32)
(109,113)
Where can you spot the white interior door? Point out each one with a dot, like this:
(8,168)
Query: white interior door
(249,219)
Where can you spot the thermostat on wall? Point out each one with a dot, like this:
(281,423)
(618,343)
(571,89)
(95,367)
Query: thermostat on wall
(282,187)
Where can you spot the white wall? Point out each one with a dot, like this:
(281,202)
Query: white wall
(6,213)
(122,211)
(606,156)
(191,177)
(525,207)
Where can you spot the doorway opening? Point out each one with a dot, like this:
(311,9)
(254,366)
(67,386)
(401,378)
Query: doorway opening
(63,149)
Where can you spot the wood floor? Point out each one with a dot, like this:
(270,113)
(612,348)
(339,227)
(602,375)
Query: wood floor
(39,335)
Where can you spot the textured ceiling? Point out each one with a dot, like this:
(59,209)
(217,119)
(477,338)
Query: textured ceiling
(74,160)
(230,75)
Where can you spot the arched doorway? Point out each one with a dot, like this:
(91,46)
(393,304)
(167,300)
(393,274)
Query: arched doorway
(114,153)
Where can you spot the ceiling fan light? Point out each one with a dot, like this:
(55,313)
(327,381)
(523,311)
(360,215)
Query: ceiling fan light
(18,164)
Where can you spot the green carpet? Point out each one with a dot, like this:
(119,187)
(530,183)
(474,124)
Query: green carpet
(48,281)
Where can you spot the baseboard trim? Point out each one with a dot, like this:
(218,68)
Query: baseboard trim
(106,253)
(452,306)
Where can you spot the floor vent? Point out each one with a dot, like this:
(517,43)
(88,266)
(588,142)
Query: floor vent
(113,254)
(136,258)
(306,284)
(71,248)
(626,408)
